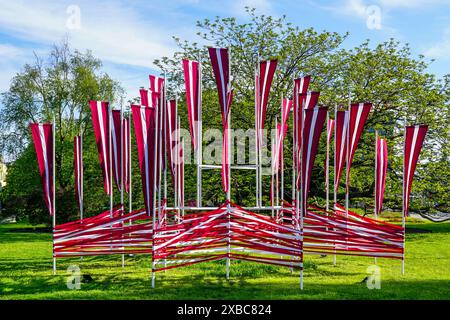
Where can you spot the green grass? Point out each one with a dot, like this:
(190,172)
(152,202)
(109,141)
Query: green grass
(26,273)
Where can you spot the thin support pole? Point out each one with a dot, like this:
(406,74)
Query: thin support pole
(335,184)
(155,158)
(199,138)
(404,204)
(121,172)
(375,207)
(327,171)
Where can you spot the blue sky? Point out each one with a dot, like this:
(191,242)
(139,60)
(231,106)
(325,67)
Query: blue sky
(128,35)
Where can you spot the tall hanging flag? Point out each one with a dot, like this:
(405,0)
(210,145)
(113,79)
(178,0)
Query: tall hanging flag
(43,144)
(414,137)
(381,159)
(221,67)
(308,100)
(156,84)
(78,169)
(305,101)
(144,125)
(330,128)
(192,84)
(313,125)
(100,121)
(145,99)
(281,133)
(263,84)
(116,146)
(225,147)
(358,115)
(126,154)
(171,112)
(340,146)
(301,86)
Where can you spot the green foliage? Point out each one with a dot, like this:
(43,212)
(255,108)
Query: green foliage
(398,85)
(58,86)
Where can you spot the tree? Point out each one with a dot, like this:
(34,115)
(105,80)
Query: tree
(398,85)
(58,86)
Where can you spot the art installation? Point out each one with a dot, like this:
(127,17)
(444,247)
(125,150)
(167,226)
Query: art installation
(180,235)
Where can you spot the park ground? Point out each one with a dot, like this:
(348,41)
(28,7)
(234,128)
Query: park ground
(26,273)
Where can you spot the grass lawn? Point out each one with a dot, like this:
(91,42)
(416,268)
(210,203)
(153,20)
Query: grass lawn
(26,273)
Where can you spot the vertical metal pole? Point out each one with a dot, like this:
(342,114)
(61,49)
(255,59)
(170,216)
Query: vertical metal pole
(335,185)
(229,174)
(327,175)
(54,191)
(199,138)
(82,178)
(260,144)
(164,106)
(347,158)
(111,185)
(121,173)
(130,204)
(403,201)
(256,141)
(155,158)
(282,152)
(375,208)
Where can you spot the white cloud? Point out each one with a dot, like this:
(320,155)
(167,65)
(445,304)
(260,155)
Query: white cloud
(8,51)
(411,3)
(113,31)
(441,49)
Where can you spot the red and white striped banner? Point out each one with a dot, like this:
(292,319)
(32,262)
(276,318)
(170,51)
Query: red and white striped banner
(156,84)
(330,128)
(43,144)
(266,74)
(381,159)
(225,148)
(414,137)
(313,125)
(263,83)
(220,63)
(116,146)
(281,134)
(306,101)
(171,126)
(301,86)
(358,116)
(340,145)
(144,127)
(192,85)
(78,169)
(221,67)
(100,121)
(126,154)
